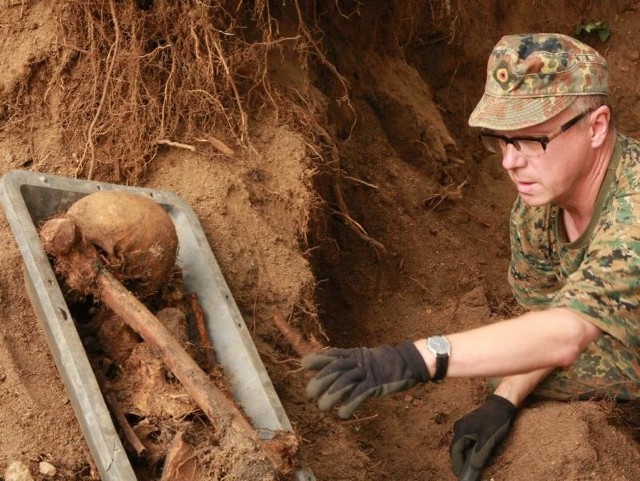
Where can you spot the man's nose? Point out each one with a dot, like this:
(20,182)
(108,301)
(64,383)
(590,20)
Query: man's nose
(512,158)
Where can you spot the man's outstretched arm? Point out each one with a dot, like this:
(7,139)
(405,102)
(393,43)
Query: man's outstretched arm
(536,340)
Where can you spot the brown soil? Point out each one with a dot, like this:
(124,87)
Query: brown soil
(391,92)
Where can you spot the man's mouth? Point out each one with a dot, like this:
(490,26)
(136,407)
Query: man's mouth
(524,187)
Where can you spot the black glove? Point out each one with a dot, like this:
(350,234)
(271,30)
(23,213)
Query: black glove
(359,373)
(477,434)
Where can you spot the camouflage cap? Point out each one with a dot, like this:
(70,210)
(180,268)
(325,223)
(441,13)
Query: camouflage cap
(533,77)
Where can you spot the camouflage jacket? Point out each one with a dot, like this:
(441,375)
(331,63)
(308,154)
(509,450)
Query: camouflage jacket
(597,275)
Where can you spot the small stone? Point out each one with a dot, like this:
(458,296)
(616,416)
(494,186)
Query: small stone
(47,469)
(17,471)
(440,418)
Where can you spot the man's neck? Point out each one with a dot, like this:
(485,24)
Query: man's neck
(578,212)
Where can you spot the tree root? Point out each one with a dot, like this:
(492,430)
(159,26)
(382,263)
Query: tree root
(301,346)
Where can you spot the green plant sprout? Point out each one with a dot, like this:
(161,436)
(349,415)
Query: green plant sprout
(603,31)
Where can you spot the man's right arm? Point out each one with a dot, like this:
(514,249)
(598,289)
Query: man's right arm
(519,346)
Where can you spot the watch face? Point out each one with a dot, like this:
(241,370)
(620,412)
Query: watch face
(438,345)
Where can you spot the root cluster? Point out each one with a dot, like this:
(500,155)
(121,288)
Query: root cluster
(149,72)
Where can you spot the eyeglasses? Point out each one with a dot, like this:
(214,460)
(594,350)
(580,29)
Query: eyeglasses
(529,146)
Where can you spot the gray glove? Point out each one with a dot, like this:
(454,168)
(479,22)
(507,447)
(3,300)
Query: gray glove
(476,435)
(359,373)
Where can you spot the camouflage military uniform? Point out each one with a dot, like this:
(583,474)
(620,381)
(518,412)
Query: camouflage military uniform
(596,276)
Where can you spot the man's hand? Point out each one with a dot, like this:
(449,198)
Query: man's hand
(359,373)
(477,434)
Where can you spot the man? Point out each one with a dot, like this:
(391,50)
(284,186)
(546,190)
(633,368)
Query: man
(575,264)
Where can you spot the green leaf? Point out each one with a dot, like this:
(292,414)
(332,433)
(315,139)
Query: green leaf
(603,31)
(604,34)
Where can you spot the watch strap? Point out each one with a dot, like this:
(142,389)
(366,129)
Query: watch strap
(442,363)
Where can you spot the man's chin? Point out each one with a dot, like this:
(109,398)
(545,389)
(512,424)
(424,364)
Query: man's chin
(534,200)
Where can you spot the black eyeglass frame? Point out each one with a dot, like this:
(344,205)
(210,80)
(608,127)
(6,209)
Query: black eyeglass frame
(544,140)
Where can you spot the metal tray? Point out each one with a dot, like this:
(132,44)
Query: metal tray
(30,197)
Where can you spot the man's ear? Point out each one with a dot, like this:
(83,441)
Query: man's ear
(600,125)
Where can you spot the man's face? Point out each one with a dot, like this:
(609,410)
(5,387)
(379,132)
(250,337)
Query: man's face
(554,174)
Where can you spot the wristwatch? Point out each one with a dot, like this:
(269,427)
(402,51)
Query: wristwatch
(439,346)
